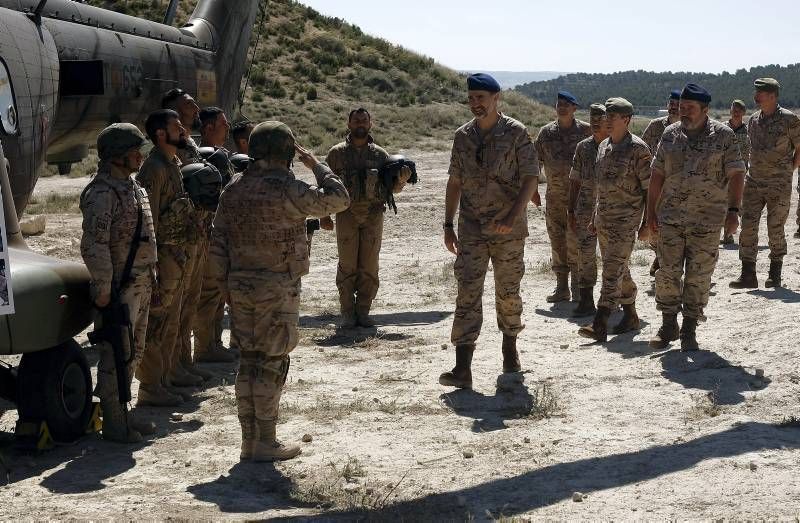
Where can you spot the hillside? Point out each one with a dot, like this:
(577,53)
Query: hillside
(645,88)
(311,70)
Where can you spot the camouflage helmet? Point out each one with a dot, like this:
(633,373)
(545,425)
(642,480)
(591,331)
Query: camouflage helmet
(116,139)
(272,140)
(203,182)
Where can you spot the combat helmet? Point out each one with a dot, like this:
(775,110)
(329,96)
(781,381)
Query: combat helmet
(272,139)
(116,139)
(203,183)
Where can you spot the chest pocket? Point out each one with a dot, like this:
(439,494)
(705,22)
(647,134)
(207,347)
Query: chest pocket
(617,173)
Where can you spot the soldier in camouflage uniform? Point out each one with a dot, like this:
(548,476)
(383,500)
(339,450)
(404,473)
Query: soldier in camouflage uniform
(172,211)
(736,123)
(111,205)
(774,134)
(582,198)
(555,147)
(258,249)
(622,174)
(359,229)
(697,174)
(493,175)
(651,136)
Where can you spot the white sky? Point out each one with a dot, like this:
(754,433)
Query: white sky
(596,37)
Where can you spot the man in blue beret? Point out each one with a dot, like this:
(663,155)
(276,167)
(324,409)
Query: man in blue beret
(555,146)
(774,134)
(695,189)
(494,173)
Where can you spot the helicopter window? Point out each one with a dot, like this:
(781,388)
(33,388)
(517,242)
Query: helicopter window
(8,108)
(81,77)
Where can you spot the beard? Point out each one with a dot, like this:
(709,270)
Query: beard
(360,132)
(180,142)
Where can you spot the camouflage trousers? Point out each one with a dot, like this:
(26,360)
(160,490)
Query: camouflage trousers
(616,246)
(587,253)
(137,297)
(470,268)
(691,253)
(265,311)
(777,199)
(207,326)
(563,241)
(358,238)
(195,270)
(165,315)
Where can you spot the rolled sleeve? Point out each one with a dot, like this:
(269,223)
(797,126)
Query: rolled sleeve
(527,159)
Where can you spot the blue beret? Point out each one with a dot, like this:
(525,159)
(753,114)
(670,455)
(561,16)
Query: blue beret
(482,82)
(568,96)
(675,94)
(696,93)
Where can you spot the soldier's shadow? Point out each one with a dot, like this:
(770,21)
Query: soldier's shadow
(780,293)
(563,311)
(512,400)
(359,336)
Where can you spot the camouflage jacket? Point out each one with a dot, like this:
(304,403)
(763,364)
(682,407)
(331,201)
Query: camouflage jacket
(652,133)
(190,153)
(259,226)
(773,140)
(744,142)
(555,148)
(583,171)
(172,209)
(622,177)
(491,170)
(358,169)
(696,174)
(110,206)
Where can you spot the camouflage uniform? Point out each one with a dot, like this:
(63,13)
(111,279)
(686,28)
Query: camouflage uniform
(555,148)
(110,206)
(172,212)
(691,211)
(488,191)
(622,177)
(258,249)
(653,132)
(740,133)
(359,228)
(773,140)
(583,170)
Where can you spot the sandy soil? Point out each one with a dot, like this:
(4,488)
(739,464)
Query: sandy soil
(609,431)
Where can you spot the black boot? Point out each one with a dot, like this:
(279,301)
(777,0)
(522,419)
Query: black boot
(510,356)
(689,334)
(461,375)
(654,267)
(774,279)
(586,305)
(574,287)
(629,321)
(598,330)
(748,279)
(561,292)
(668,331)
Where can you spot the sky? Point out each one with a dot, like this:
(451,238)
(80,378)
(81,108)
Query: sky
(595,37)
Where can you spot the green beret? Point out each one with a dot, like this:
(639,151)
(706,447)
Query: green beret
(597,110)
(619,106)
(739,103)
(768,85)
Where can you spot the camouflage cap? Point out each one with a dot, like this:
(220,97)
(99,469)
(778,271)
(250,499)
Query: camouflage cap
(597,110)
(272,139)
(619,106)
(117,139)
(768,85)
(740,104)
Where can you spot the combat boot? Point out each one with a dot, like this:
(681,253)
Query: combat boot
(349,320)
(363,319)
(178,377)
(190,368)
(214,354)
(115,423)
(267,448)
(184,395)
(586,304)
(598,330)
(629,321)
(156,396)
(248,425)
(461,375)
(774,279)
(510,356)
(561,292)
(654,267)
(145,428)
(727,239)
(748,279)
(668,331)
(689,334)
(574,288)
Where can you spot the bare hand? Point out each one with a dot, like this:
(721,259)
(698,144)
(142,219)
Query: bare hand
(731,223)
(536,198)
(573,222)
(451,240)
(644,232)
(326,223)
(405,174)
(103,300)
(306,156)
(505,225)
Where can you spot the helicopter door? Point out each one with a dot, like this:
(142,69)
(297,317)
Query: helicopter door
(8,106)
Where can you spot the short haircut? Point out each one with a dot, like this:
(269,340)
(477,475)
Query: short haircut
(168,102)
(360,110)
(242,130)
(209,115)
(157,121)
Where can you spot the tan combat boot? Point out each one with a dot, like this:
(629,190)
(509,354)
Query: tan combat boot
(115,423)
(561,292)
(510,356)
(598,330)
(461,375)
(774,280)
(155,395)
(667,333)
(267,448)
(748,279)
(629,321)
(248,425)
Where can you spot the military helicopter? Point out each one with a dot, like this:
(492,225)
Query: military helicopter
(67,70)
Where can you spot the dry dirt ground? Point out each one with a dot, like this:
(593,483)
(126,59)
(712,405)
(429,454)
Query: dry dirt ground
(609,431)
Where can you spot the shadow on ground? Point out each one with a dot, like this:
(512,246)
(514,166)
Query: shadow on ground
(512,400)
